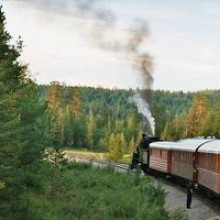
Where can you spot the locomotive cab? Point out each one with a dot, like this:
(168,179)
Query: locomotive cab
(141,156)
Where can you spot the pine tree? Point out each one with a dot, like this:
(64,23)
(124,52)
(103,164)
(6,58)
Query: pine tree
(76,102)
(131,127)
(91,129)
(197,113)
(103,117)
(166,134)
(10,72)
(21,131)
(68,130)
(102,144)
(55,96)
(177,128)
(112,146)
(121,145)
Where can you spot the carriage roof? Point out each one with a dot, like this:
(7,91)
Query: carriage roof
(212,147)
(163,145)
(187,145)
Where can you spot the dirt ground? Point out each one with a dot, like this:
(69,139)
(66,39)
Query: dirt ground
(200,208)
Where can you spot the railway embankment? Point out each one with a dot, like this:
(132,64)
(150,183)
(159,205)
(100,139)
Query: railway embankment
(201,208)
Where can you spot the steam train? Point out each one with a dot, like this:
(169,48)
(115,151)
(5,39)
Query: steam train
(194,161)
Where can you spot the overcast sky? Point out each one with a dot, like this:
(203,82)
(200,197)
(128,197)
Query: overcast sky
(184,42)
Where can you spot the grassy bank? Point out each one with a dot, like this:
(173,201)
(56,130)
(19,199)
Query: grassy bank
(81,192)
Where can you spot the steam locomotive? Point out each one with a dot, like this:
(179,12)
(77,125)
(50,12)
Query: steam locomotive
(195,161)
(141,154)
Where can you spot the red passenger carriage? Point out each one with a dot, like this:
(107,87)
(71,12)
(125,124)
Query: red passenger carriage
(194,160)
(160,156)
(209,166)
(184,156)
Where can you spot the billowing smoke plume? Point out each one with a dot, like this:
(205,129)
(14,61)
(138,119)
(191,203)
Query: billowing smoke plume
(102,32)
(144,109)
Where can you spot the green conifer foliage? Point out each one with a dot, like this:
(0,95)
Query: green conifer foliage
(21,131)
(91,129)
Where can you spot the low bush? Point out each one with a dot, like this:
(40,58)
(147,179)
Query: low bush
(84,192)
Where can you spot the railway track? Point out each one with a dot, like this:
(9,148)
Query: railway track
(122,167)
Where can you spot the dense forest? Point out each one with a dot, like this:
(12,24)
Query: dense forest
(106,120)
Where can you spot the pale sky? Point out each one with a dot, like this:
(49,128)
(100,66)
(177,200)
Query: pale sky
(184,42)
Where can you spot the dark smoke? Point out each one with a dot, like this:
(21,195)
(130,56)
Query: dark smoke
(102,31)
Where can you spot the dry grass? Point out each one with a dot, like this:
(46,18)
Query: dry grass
(88,155)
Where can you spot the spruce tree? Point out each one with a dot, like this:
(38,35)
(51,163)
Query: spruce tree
(10,82)
(21,131)
(91,128)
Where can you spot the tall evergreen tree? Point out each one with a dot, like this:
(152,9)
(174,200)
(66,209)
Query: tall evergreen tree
(197,113)
(21,133)
(55,96)
(76,102)
(91,129)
